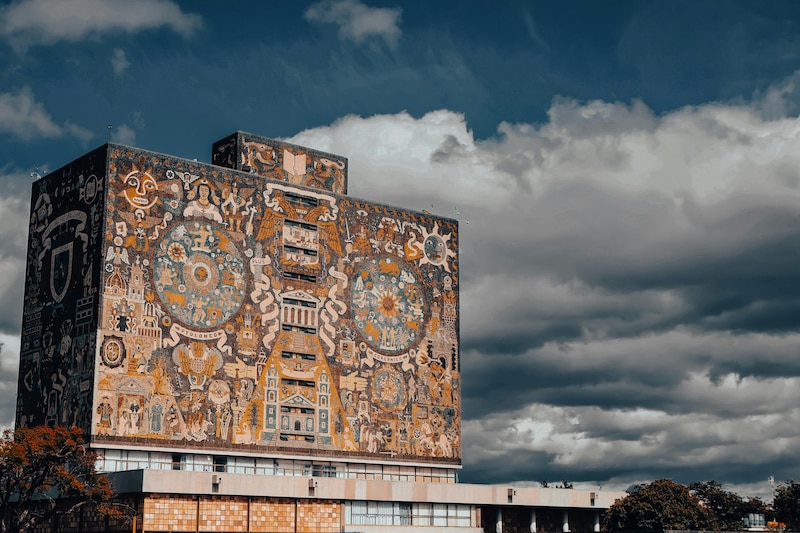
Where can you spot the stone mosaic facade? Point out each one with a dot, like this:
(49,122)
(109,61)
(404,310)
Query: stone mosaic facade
(175,303)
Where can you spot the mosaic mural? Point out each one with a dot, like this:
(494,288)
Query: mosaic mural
(282,161)
(242,311)
(60,313)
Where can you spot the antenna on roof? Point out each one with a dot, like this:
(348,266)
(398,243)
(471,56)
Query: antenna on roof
(456,213)
(110,127)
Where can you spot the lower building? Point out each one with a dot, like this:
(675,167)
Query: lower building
(290,497)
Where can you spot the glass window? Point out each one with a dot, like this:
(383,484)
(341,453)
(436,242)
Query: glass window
(110,461)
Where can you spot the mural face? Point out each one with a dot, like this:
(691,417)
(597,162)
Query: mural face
(242,311)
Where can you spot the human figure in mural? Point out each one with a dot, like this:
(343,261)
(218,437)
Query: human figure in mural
(173,419)
(138,239)
(104,410)
(123,428)
(206,204)
(231,207)
(134,418)
(156,414)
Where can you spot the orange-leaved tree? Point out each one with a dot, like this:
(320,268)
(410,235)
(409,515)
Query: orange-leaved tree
(46,471)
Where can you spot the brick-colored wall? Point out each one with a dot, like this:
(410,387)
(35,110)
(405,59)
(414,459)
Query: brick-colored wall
(319,517)
(275,516)
(223,514)
(169,513)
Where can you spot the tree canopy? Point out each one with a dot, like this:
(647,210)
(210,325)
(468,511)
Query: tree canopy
(728,508)
(787,504)
(664,504)
(45,471)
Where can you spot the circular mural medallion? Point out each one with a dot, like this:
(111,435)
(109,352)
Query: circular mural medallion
(387,303)
(113,352)
(389,389)
(199,274)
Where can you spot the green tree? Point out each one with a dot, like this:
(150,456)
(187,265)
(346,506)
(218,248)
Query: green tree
(728,508)
(787,504)
(46,471)
(660,505)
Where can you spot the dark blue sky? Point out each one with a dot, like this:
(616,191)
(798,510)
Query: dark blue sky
(265,67)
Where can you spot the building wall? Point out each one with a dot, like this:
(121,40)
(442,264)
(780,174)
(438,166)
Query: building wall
(59,318)
(244,312)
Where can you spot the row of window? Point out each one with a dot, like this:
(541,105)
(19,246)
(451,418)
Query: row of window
(296,436)
(120,460)
(291,409)
(407,514)
(304,201)
(299,329)
(298,355)
(300,382)
(299,276)
(302,303)
(297,224)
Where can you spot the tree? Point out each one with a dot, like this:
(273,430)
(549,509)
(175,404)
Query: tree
(46,471)
(658,506)
(728,508)
(787,504)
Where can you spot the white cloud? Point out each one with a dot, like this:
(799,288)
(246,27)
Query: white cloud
(124,134)
(627,282)
(356,21)
(119,62)
(21,115)
(32,22)
(13,236)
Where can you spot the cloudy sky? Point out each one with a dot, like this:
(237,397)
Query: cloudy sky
(627,174)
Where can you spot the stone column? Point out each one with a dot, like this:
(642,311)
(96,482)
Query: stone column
(533,520)
(597,522)
(565,522)
(498,525)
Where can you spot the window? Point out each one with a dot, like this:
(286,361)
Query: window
(323,470)
(303,303)
(303,225)
(379,513)
(241,465)
(297,382)
(296,355)
(304,201)
(110,461)
(299,276)
(220,463)
(299,329)
(302,410)
(299,251)
(295,437)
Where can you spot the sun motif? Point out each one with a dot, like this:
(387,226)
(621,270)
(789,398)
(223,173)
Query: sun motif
(176,252)
(388,304)
(435,248)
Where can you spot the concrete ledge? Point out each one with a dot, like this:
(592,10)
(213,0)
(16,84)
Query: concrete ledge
(229,484)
